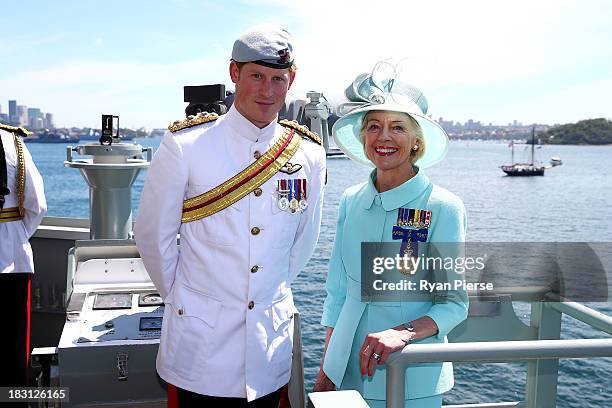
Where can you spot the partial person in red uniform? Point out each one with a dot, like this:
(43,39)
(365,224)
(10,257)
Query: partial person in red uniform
(22,207)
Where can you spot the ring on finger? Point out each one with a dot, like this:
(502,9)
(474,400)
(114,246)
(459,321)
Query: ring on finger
(376,356)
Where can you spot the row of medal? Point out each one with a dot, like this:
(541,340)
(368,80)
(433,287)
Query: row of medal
(413,217)
(412,227)
(291,194)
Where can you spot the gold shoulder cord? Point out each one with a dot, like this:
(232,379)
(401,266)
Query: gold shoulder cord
(17,213)
(20,173)
(192,120)
(302,130)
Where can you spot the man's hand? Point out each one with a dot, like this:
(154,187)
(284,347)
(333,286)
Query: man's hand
(323,383)
(283,401)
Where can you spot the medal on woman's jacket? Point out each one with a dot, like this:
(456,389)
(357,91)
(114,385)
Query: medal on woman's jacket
(417,223)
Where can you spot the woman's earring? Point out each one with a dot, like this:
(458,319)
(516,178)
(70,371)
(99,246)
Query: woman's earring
(416,147)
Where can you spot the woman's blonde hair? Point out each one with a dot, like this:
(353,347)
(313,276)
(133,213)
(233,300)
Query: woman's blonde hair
(416,128)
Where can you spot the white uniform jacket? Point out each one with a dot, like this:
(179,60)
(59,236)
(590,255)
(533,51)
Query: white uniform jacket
(227,325)
(15,250)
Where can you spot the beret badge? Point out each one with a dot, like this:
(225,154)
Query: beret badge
(284,56)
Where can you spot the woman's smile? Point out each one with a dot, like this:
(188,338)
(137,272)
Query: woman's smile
(385,150)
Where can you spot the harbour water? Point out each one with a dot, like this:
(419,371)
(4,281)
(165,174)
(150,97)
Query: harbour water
(570,203)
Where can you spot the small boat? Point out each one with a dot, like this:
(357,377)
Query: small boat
(524,169)
(555,161)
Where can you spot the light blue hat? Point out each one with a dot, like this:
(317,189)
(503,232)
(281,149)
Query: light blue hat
(368,93)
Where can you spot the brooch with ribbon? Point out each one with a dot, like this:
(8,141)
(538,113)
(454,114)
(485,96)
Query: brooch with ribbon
(412,227)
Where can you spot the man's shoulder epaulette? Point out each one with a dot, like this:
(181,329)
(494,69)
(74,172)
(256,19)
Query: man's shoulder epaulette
(302,130)
(13,129)
(192,120)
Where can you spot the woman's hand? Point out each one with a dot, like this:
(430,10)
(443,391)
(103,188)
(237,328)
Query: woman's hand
(323,383)
(382,344)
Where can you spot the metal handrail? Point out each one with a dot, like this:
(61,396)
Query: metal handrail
(503,351)
(585,314)
(515,404)
(497,351)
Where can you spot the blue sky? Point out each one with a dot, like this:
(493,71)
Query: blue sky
(494,61)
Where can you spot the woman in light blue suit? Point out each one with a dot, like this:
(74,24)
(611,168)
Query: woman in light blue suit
(391,132)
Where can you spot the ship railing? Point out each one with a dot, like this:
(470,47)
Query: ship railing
(542,353)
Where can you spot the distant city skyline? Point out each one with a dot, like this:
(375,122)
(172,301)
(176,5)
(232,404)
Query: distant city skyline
(25,114)
(29,117)
(544,62)
(39,123)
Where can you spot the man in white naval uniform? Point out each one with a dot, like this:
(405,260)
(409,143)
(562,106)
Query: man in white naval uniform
(22,207)
(226,338)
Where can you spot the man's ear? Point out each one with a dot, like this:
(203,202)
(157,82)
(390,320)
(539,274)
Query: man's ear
(291,78)
(234,72)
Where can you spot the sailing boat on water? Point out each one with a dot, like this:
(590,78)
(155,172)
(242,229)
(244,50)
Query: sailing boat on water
(524,169)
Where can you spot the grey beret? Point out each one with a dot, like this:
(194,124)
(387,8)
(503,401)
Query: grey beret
(265,44)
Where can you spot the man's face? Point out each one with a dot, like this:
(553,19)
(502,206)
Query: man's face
(260,91)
